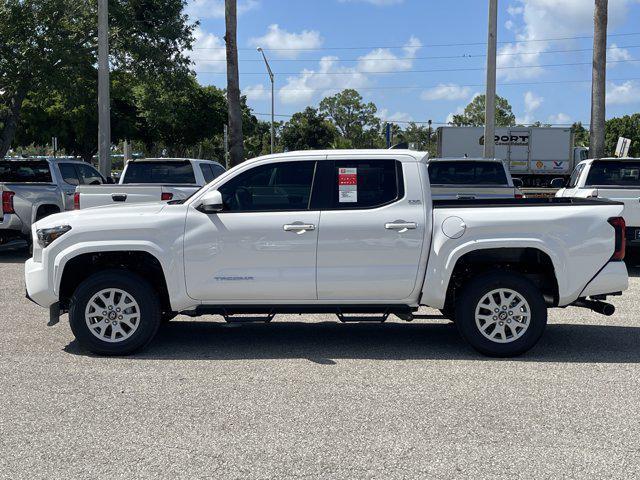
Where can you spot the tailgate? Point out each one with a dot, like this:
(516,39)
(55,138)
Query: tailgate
(631,199)
(470,192)
(101,195)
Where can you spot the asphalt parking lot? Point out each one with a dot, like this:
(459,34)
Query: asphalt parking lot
(309,397)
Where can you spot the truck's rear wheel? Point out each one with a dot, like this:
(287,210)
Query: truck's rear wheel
(501,314)
(114,313)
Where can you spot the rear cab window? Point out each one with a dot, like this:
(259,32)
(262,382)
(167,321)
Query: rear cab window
(623,173)
(473,172)
(20,171)
(171,173)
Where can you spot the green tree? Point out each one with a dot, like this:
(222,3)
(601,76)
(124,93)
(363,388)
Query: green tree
(45,43)
(628,127)
(356,121)
(473,114)
(580,135)
(180,112)
(308,130)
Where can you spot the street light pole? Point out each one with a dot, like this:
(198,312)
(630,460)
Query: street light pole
(104,113)
(272,97)
(490,96)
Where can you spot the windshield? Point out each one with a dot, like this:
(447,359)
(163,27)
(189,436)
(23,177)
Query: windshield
(169,173)
(20,171)
(471,172)
(619,173)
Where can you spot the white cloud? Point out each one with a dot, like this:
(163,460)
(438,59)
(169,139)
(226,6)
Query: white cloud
(209,52)
(394,117)
(617,54)
(379,3)
(541,19)
(278,38)
(446,91)
(312,83)
(201,9)
(625,93)
(256,92)
(459,111)
(531,103)
(383,60)
(559,119)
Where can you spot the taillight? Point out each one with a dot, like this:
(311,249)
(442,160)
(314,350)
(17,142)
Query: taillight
(165,197)
(519,195)
(619,226)
(7,202)
(76,201)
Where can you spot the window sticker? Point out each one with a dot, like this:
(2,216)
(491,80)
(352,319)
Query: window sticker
(348,185)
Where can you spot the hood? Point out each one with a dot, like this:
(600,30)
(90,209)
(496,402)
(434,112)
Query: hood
(108,215)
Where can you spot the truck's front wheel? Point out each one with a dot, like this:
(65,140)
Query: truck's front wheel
(501,314)
(114,313)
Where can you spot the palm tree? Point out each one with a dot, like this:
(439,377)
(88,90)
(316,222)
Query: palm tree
(596,147)
(236,149)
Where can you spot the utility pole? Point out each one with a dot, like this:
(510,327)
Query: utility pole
(490,96)
(271,77)
(236,148)
(104,111)
(599,78)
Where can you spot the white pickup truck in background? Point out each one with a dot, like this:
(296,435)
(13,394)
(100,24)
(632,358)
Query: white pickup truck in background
(350,232)
(151,180)
(615,179)
(471,179)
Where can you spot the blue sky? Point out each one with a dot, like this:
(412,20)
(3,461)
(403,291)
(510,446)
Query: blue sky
(423,59)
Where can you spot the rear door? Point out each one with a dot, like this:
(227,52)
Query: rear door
(372,228)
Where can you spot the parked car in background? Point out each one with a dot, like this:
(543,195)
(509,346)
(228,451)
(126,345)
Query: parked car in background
(614,179)
(470,179)
(350,232)
(34,188)
(151,180)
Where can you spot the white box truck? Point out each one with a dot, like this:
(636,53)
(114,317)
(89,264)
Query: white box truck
(536,155)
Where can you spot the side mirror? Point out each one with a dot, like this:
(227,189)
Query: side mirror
(518,183)
(211,202)
(558,183)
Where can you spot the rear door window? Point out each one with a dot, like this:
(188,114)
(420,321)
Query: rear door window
(206,172)
(619,173)
(25,172)
(366,183)
(171,173)
(467,173)
(69,173)
(89,175)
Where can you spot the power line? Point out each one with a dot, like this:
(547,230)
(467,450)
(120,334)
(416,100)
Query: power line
(433,57)
(437,70)
(433,45)
(469,85)
(288,115)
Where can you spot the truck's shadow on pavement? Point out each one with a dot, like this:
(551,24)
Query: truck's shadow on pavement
(327,343)
(13,255)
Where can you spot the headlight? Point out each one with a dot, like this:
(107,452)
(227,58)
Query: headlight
(48,235)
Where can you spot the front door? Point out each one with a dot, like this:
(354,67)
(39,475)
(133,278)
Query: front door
(262,246)
(371,231)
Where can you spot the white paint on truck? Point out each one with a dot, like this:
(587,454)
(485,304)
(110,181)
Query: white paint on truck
(272,235)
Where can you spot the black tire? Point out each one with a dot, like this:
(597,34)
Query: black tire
(136,287)
(474,292)
(166,317)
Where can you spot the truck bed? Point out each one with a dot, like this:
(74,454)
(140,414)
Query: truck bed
(523,202)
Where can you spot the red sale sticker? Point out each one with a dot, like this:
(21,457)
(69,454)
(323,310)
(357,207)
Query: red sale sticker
(348,185)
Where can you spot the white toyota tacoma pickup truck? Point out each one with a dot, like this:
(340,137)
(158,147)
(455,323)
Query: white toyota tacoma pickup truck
(615,179)
(354,233)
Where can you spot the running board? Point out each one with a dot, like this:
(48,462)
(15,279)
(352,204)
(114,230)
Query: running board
(356,318)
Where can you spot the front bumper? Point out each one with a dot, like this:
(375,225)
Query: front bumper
(39,286)
(613,278)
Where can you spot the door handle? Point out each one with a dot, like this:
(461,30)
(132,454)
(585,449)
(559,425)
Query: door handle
(119,197)
(298,227)
(401,226)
